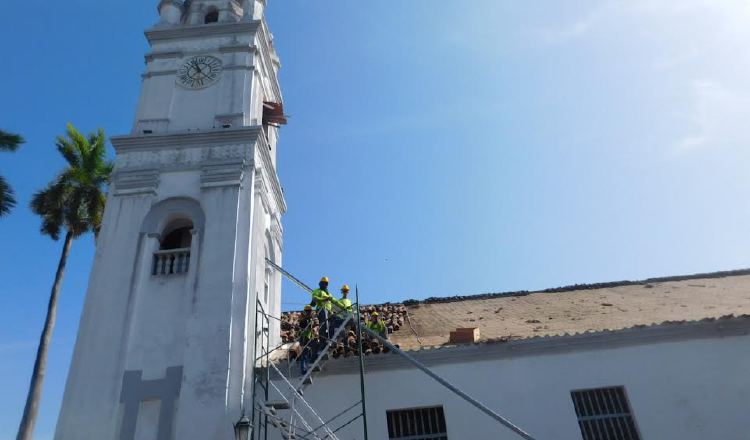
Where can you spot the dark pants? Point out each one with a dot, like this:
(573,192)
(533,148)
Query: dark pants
(324,330)
(335,324)
(307,352)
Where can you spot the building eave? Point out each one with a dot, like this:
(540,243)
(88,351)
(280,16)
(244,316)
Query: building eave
(727,326)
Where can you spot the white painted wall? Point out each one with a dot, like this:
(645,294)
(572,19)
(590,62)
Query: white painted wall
(689,390)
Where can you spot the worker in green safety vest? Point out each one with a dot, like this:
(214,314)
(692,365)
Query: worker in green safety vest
(344,304)
(377,325)
(323,302)
(341,307)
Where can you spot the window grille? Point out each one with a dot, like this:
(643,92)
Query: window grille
(604,414)
(417,424)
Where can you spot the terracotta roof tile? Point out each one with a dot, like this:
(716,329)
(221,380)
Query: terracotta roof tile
(586,309)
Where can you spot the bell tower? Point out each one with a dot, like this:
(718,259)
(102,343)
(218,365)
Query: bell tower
(168,331)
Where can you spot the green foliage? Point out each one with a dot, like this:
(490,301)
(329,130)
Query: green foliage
(7,198)
(8,142)
(75,199)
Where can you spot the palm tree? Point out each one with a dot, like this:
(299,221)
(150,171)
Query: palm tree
(8,142)
(72,204)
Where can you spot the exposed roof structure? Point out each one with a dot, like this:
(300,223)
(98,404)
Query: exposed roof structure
(566,310)
(578,309)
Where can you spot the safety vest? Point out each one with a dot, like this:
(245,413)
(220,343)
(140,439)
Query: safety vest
(319,296)
(306,329)
(377,326)
(342,306)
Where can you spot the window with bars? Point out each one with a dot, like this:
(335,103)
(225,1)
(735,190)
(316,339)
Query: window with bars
(604,414)
(417,424)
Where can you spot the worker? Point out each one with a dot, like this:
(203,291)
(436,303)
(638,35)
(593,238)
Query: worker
(377,325)
(322,300)
(306,339)
(345,303)
(341,307)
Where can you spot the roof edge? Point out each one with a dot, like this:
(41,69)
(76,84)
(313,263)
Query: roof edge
(576,287)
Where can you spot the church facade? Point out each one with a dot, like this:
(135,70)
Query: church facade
(166,340)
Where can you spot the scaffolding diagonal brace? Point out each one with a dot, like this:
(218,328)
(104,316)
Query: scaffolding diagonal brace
(290,276)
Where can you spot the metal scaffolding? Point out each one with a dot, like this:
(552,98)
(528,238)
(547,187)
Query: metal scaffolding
(302,421)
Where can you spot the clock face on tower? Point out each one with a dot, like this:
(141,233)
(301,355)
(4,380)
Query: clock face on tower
(199,72)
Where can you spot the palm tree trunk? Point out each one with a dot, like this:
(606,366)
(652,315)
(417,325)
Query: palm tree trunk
(26,429)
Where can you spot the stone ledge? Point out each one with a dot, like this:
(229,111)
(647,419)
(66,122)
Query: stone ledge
(213,137)
(202,31)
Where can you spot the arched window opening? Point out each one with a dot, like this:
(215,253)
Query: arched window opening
(173,256)
(211,17)
(179,238)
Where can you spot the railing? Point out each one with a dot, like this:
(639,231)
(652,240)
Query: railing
(171,261)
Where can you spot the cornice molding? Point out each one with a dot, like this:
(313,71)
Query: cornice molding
(239,48)
(177,54)
(202,31)
(210,150)
(187,139)
(222,174)
(164,55)
(131,182)
(168,72)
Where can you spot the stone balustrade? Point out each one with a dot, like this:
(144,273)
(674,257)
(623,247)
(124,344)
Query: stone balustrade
(171,261)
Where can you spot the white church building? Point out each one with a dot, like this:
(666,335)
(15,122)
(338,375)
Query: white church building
(167,350)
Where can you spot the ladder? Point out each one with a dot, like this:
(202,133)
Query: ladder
(323,355)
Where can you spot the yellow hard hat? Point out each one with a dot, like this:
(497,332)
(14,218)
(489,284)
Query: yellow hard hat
(308,307)
(324,280)
(345,288)
(375,314)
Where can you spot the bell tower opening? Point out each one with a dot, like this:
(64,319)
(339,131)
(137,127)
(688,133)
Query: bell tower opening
(211,17)
(173,256)
(177,236)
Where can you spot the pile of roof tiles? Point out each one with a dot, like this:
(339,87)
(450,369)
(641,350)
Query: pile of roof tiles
(393,315)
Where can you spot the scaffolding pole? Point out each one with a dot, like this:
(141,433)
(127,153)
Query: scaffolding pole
(361,363)
(290,276)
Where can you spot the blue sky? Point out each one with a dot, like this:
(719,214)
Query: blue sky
(433,149)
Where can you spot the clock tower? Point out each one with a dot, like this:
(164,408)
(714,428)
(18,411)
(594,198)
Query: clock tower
(165,348)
